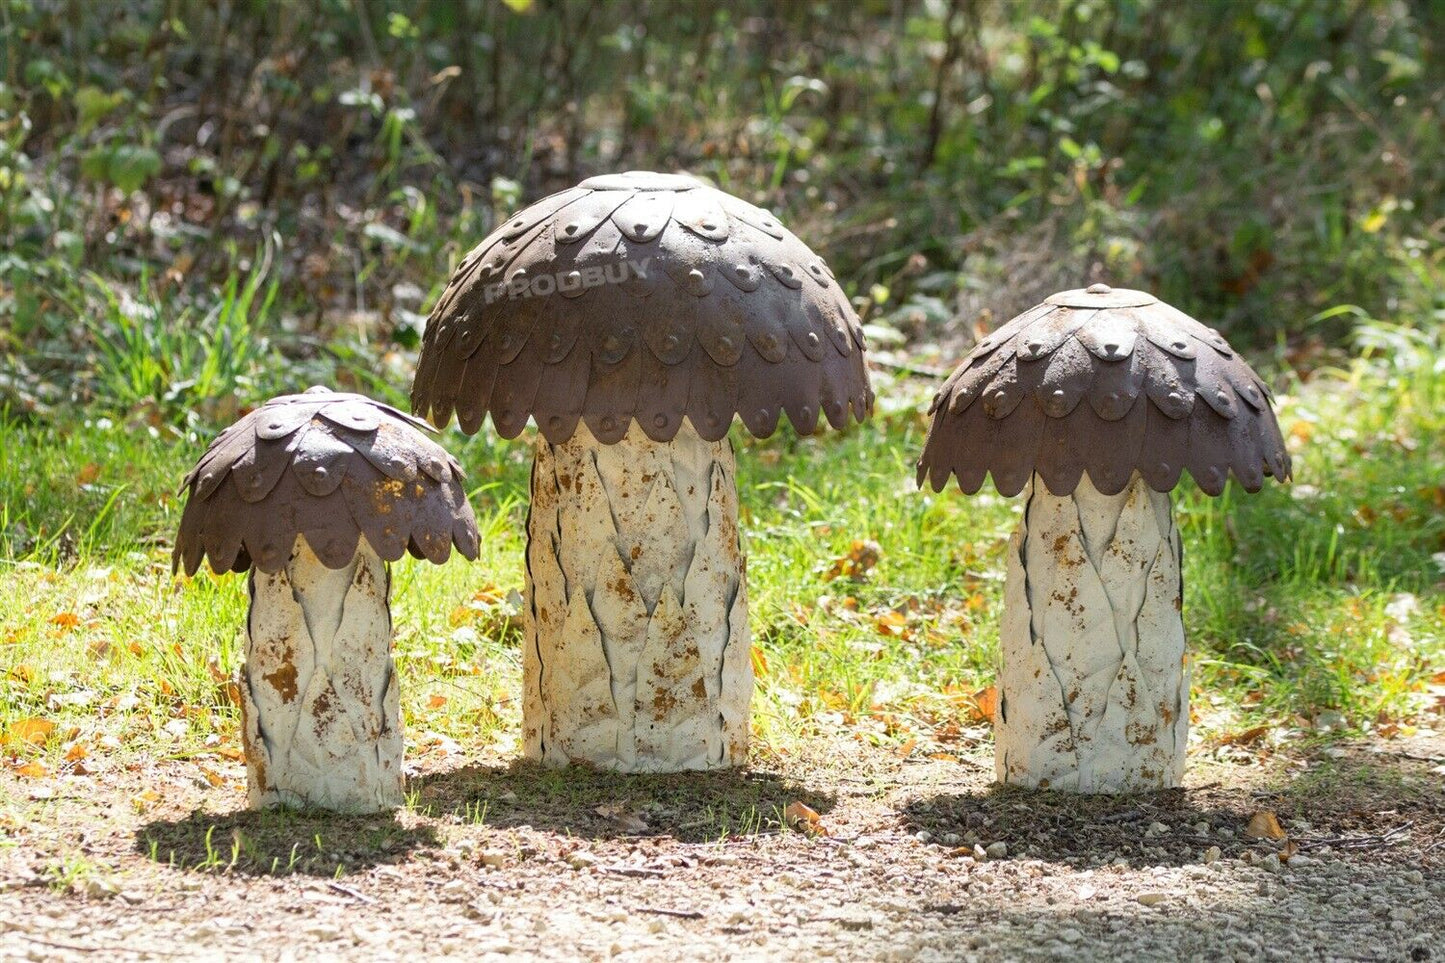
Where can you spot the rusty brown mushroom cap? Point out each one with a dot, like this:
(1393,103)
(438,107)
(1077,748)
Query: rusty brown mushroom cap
(1108,381)
(646,296)
(332,467)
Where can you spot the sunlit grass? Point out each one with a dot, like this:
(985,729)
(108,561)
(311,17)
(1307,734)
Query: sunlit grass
(1311,607)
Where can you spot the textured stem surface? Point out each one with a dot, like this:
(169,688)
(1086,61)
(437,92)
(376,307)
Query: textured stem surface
(1093,685)
(321,721)
(637,654)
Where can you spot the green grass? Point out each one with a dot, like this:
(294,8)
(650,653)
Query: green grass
(1314,606)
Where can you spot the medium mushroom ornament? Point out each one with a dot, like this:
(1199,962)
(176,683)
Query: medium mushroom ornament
(632,316)
(315,493)
(1093,403)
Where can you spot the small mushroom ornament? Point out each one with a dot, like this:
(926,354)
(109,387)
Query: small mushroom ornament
(315,494)
(1092,404)
(632,316)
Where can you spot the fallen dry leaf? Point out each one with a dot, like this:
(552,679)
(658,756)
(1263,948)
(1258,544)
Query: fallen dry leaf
(32,770)
(984,706)
(88,473)
(436,702)
(804,819)
(33,732)
(862,556)
(1244,738)
(66,620)
(1265,825)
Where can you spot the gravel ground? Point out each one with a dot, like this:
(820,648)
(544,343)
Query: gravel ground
(921,861)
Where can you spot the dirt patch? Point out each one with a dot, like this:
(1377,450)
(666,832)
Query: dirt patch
(509,858)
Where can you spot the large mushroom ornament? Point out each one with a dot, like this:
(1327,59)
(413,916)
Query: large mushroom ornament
(1093,403)
(632,316)
(315,494)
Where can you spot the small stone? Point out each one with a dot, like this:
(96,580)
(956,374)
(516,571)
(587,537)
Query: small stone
(979,853)
(950,839)
(923,836)
(1271,863)
(1402,913)
(493,858)
(1211,855)
(998,850)
(1151,899)
(1156,829)
(456,891)
(656,926)
(1201,827)
(581,860)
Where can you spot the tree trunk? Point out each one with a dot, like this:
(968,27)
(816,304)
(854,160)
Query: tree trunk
(321,722)
(637,655)
(1093,683)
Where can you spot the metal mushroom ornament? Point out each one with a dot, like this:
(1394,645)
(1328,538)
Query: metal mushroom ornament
(632,316)
(315,493)
(1092,404)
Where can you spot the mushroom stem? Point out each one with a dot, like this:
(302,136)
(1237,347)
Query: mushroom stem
(1093,682)
(637,655)
(321,724)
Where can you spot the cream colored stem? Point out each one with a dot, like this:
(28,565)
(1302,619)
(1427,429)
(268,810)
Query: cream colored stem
(637,654)
(1093,684)
(321,722)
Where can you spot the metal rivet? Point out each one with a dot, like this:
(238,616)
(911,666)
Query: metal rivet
(1180,345)
(554,422)
(574,276)
(1175,397)
(570,228)
(610,343)
(1058,394)
(769,341)
(762,414)
(319,471)
(1098,289)
(639,228)
(812,339)
(659,421)
(695,275)
(1111,348)
(742,271)
(725,343)
(709,226)
(609,423)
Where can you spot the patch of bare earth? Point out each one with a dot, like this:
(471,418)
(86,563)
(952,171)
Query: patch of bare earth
(512,860)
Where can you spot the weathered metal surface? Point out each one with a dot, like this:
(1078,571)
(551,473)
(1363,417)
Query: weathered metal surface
(1109,382)
(320,718)
(1093,681)
(637,655)
(645,298)
(332,467)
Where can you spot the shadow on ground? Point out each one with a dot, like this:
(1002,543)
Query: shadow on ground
(689,807)
(1378,806)
(281,841)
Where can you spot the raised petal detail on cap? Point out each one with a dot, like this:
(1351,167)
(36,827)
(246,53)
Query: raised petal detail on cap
(330,467)
(640,262)
(1165,395)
